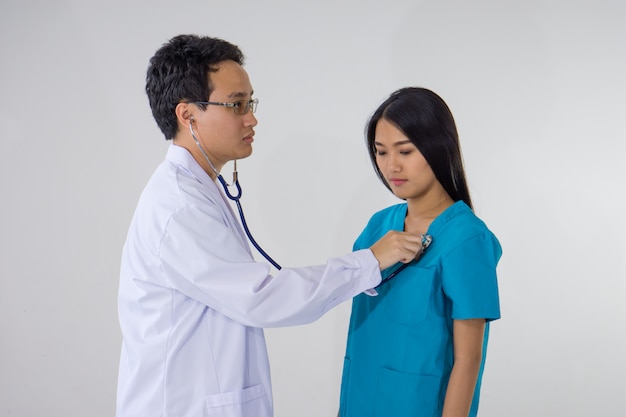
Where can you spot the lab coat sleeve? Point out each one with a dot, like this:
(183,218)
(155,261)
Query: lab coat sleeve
(208,262)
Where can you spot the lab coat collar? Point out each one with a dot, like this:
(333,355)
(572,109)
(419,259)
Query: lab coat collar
(181,157)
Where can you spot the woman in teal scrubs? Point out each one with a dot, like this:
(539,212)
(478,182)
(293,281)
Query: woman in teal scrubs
(418,348)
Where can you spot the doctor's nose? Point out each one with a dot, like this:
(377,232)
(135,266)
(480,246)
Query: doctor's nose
(249,119)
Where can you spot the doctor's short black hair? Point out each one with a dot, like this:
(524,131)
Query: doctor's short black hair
(426,120)
(179,71)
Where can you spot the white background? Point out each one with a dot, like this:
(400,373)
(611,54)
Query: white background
(539,94)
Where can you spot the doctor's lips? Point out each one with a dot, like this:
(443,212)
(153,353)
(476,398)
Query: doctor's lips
(249,138)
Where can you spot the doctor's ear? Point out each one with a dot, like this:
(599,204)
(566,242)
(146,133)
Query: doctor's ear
(184,114)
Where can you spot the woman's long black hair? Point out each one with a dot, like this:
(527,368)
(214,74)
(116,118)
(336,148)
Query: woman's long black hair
(427,122)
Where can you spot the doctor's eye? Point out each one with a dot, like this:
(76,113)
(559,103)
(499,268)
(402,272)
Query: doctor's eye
(242,107)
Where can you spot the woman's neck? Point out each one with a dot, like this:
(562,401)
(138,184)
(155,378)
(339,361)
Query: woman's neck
(421,213)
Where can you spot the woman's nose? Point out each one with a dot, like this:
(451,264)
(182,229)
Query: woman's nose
(394,163)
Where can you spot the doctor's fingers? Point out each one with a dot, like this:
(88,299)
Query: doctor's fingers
(396,247)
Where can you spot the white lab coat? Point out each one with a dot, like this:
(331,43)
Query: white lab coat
(193,302)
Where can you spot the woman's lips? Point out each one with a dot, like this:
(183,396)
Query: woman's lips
(397,181)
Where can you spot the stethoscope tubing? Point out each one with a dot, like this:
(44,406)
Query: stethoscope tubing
(234,198)
(394,273)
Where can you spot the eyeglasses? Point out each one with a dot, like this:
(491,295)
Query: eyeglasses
(240,107)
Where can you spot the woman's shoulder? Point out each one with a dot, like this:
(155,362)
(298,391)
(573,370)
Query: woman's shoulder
(389,218)
(462,218)
(460,225)
(390,212)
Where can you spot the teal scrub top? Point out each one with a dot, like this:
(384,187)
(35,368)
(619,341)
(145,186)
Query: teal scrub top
(399,353)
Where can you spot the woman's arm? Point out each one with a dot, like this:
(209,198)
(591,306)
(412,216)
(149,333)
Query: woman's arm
(468,345)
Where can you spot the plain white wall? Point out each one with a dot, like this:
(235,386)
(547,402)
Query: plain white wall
(539,95)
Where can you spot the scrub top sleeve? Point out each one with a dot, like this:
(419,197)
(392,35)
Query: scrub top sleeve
(469,278)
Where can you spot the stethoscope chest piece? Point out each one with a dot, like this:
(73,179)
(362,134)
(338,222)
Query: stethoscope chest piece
(426,241)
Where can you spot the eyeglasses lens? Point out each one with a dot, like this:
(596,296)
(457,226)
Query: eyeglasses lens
(245,106)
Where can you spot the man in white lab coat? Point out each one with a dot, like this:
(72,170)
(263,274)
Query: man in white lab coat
(192,300)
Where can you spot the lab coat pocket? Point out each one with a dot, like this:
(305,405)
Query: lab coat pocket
(401,394)
(247,402)
(407,301)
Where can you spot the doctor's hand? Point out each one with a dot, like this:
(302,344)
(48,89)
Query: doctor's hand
(397,247)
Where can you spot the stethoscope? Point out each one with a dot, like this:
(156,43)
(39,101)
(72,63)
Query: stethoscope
(426,241)
(234,198)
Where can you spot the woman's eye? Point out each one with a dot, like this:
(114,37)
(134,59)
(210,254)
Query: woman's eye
(380,153)
(238,104)
(406,152)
